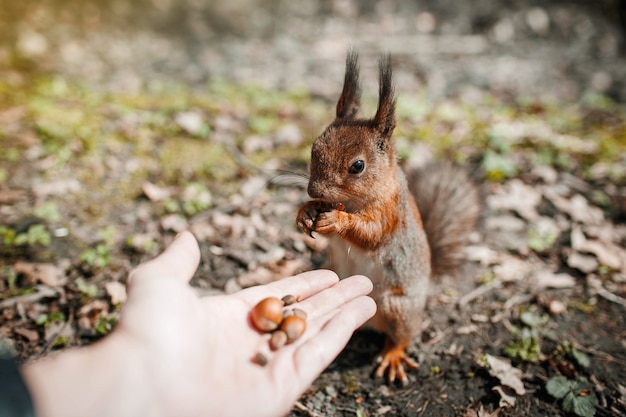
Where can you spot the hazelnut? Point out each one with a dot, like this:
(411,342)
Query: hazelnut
(289,299)
(278,339)
(267,314)
(260,359)
(293,326)
(300,313)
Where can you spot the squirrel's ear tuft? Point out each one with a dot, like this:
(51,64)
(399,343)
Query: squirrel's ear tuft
(350,100)
(385,118)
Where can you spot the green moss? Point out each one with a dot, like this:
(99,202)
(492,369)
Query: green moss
(181,159)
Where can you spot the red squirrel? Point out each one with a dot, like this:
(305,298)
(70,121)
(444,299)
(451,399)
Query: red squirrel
(398,230)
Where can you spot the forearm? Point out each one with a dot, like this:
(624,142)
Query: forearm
(104,379)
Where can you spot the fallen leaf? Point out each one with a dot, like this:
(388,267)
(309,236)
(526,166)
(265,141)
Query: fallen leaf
(518,197)
(174,222)
(190,121)
(511,269)
(260,275)
(58,329)
(59,187)
(29,334)
(155,193)
(117,292)
(506,400)
(506,373)
(483,254)
(470,328)
(583,263)
(577,207)
(46,273)
(89,314)
(546,279)
(608,253)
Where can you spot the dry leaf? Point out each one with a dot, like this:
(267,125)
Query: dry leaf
(581,262)
(470,328)
(260,275)
(577,208)
(512,269)
(483,254)
(190,121)
(46,273)
(60,187)
(506,373)
(546,279)
(154,192)
(506,400)
(89,314)
(59,329)
(203,231)
(29,334)
(516,196)
(174,222)
(117,292)
(608,253)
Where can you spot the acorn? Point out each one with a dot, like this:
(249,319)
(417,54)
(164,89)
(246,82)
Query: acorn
(293,326)
(267,314)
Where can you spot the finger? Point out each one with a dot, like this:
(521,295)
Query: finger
(301,286)
(316,353)
(335,296)
(179,261)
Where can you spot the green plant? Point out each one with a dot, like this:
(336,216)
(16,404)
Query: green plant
(541,241)
(54,317)
(567,348)
(105,325)
(527,345)
(196,198)
(36,234)
(576,395)
(48,211)
(10,276)
(97,257)
(498,167)
(87,289)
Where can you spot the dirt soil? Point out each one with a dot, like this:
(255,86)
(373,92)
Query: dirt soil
(126,122)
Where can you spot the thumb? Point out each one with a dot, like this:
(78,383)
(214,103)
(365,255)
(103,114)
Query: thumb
(179,261)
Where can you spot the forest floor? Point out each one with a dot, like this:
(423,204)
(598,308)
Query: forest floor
(113,138)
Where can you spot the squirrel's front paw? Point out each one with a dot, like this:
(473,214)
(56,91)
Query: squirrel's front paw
(315,216)
(326,222)
(307,216)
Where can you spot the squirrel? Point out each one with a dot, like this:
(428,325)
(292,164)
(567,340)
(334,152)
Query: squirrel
(399,230)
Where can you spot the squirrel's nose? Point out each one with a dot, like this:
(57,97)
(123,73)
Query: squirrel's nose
(314,190)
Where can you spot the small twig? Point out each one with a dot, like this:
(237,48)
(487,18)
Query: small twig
(608,295)
(50,343)
(423,408)
(517,299)
(483,289)
(303,408)
(42,292)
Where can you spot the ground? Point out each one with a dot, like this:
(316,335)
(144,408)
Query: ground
(122,124)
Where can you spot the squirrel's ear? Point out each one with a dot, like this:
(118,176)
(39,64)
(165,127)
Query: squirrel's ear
(385,118)
(350,100)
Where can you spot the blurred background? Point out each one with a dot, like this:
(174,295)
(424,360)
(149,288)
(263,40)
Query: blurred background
(561,49)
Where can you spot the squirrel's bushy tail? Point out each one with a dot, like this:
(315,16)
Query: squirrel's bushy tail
(449,203)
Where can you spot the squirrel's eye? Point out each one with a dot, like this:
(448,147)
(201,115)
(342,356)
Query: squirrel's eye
(357,167)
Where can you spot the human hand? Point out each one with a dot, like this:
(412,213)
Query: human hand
(199,351)
(176,354)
